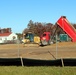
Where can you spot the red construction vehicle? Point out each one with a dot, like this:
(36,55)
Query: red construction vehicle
(45,38)
(67,27)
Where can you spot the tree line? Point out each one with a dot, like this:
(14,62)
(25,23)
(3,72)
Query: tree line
(38,28)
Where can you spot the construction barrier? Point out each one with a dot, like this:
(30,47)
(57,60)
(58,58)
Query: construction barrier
(36,62)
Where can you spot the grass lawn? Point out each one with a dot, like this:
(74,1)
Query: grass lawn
(37,70)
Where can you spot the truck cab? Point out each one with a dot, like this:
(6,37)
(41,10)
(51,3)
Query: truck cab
(45,38)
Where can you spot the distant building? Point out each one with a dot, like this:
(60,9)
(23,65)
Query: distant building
(7,37)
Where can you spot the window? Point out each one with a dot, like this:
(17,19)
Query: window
(44,34)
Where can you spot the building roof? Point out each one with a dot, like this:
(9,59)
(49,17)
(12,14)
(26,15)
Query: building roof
(5,34)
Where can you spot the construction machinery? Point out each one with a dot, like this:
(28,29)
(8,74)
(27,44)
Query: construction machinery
(45,38)
(67,27)
(63,23)
(30,38)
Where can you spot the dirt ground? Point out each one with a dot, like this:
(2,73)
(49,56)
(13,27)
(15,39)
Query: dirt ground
(54,51)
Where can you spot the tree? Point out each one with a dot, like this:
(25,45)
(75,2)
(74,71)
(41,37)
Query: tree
(74,25)
(19,36)
(38,28)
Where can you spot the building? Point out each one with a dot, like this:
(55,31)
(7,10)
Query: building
(7,37)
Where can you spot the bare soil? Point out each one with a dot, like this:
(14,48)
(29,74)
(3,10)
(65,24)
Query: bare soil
(54,51)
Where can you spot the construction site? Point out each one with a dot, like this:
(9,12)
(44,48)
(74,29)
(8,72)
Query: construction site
(42,48)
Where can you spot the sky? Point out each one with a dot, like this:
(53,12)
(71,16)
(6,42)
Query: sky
(16,14)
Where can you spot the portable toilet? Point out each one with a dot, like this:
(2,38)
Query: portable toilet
(63,37)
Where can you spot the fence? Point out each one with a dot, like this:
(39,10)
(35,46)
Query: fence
(59,50)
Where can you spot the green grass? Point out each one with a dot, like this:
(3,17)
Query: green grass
(43,70)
